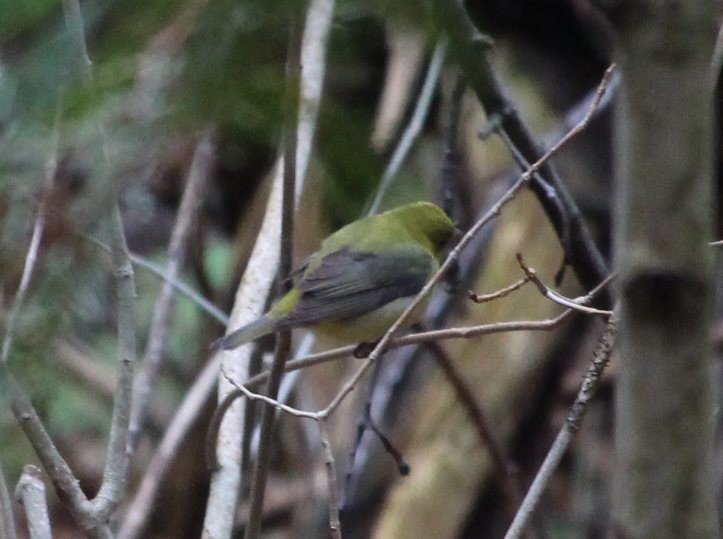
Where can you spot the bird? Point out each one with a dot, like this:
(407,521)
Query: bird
(361,279)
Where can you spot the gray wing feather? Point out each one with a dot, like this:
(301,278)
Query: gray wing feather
(348,284)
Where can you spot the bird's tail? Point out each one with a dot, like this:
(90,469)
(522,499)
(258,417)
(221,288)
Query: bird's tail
(249,332)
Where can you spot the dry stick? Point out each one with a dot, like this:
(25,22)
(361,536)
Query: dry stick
(7,520)
(116,463)
(411,132)
(30,491)
(283,340)
(51,167)
(469,49)
(346,351)
(503,467)
(531,275)
(501,293)
(334,520)
(600,360)
(191,203)
(115,473)
(64,481)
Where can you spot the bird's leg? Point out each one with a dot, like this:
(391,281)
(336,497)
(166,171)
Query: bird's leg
(363,349)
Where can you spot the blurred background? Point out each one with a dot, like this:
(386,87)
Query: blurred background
(170,74)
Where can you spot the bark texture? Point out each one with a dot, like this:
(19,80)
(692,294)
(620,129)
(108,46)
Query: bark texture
(664,482)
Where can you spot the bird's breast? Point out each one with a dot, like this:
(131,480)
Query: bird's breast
(370,326)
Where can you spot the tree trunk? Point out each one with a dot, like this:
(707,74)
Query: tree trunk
(665,478)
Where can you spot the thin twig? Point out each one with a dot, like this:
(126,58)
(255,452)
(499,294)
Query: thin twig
(30,491)
(501,293)
(470,49)
(601,357)
(64,481)
(453,256)
(115,471)
(7,519)
(411,132)
(333,491)
(191,203)
(178,286)
(416,338)
(112,488)
(501,463)
(531,275)
(51,168)
(254,286)
(283,339)
(268,400)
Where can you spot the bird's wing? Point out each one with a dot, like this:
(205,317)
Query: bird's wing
(348,283)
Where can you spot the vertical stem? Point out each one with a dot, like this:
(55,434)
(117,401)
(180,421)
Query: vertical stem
(31,492)
(283,342)
(7,520)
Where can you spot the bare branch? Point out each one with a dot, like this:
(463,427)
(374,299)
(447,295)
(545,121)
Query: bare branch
(7,519)
(333,491)
(30,491)
(601,357)
(51,167)
(178,286)
(57,468)
(411,132)
(531,275)
(257,279)
(191,203)
(469,48)
(501,293)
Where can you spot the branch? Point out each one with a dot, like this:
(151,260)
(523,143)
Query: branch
(503,467)
(256,281)
(51,167)
(30,491)
(283,339)
(7,519)
(417,338)
(178,286)
(411,132)
(191,203)
(601,357)
(64,481)
(116,465)
(531,275)
(469,48)
(453,256)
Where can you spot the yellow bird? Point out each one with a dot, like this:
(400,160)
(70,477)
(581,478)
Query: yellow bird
(361,279)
